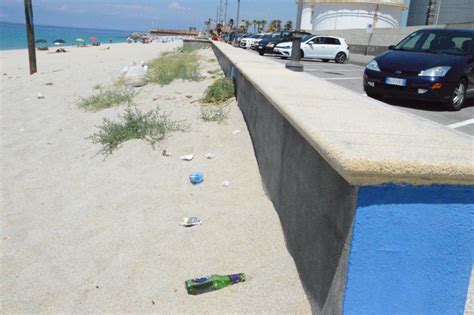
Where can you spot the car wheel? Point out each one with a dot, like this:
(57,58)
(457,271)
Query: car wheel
(325,60)
(372,95)
(456,101)
(301,53)
(340,57)
(261,53)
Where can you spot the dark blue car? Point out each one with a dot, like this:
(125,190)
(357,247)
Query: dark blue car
(428,65)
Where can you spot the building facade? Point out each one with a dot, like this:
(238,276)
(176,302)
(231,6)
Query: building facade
(321,15)
(432,12)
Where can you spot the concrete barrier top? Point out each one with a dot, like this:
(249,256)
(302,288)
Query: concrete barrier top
(367,142)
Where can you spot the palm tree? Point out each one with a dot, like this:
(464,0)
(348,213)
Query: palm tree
(288,25)
(278,25)
(274,26)
(246,25)
(263,22)
(208,23)
(254,22)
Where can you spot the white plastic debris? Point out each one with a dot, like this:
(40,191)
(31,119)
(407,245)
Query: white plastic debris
(235,132)
(188,157)
(40,96)
(226,183)
(187,222)
(166,153)
(209,156)
(136,75)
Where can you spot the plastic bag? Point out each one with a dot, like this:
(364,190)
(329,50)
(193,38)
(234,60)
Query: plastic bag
(136,75)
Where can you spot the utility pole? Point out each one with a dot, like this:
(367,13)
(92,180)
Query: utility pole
(238,14)
(220,11)
(295,64)
(225,14)
(30,32)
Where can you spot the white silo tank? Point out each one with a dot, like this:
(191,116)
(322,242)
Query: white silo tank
(353,14)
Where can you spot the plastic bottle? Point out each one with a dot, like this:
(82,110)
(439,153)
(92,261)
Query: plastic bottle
(212,283)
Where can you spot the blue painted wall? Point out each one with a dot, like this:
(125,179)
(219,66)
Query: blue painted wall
(411,250)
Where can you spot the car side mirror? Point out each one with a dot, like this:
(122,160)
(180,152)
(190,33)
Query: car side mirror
(310,43)
(391,47)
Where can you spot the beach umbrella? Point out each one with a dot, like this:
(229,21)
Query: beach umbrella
(59,42)
(41,41)
(79,40)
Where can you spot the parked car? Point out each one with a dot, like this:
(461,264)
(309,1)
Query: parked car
(428,65)
(266,46)
(248,41)
(317,47)
(258,40)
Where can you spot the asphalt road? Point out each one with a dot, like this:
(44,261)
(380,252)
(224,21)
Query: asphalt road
(349,75)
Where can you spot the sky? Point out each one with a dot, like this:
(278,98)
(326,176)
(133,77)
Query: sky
(141,15)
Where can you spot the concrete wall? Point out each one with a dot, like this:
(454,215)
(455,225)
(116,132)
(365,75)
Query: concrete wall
(377,220)
(196,43)
(303,186)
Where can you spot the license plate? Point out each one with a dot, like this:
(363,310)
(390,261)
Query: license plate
(396,81)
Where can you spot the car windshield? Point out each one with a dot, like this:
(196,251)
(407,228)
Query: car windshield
(306,37)
(436,42)
(276,34)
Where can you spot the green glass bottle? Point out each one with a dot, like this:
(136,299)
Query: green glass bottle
(212,283)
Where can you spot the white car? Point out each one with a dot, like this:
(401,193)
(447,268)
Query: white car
(247,42)
(317,47)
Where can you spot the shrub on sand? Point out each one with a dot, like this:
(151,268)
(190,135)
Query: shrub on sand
(174,65)
(215,113)
(151,126)
(107,97)
(221,90)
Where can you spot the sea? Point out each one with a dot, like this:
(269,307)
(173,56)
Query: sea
(13,35)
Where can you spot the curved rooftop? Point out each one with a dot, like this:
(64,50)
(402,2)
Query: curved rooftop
(396,3)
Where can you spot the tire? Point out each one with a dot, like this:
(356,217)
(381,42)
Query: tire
(340,57)
(301,53)
(261,53)
(325,60)
(372,95)
(457,99)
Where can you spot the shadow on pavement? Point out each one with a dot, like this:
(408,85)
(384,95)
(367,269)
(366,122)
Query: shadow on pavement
(425,106)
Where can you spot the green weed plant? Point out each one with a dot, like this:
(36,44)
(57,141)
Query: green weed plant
(221,90)
(107,97)
(174,65)
(151,126)
(215,113)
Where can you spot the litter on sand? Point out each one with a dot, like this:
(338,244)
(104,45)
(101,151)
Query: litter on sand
(191,221)
(226,183)
(40,96)
(196,177)
(188,157)
(209,156)
(166,153)
(235,132)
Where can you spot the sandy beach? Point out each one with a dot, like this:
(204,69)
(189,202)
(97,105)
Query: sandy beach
(81,233)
